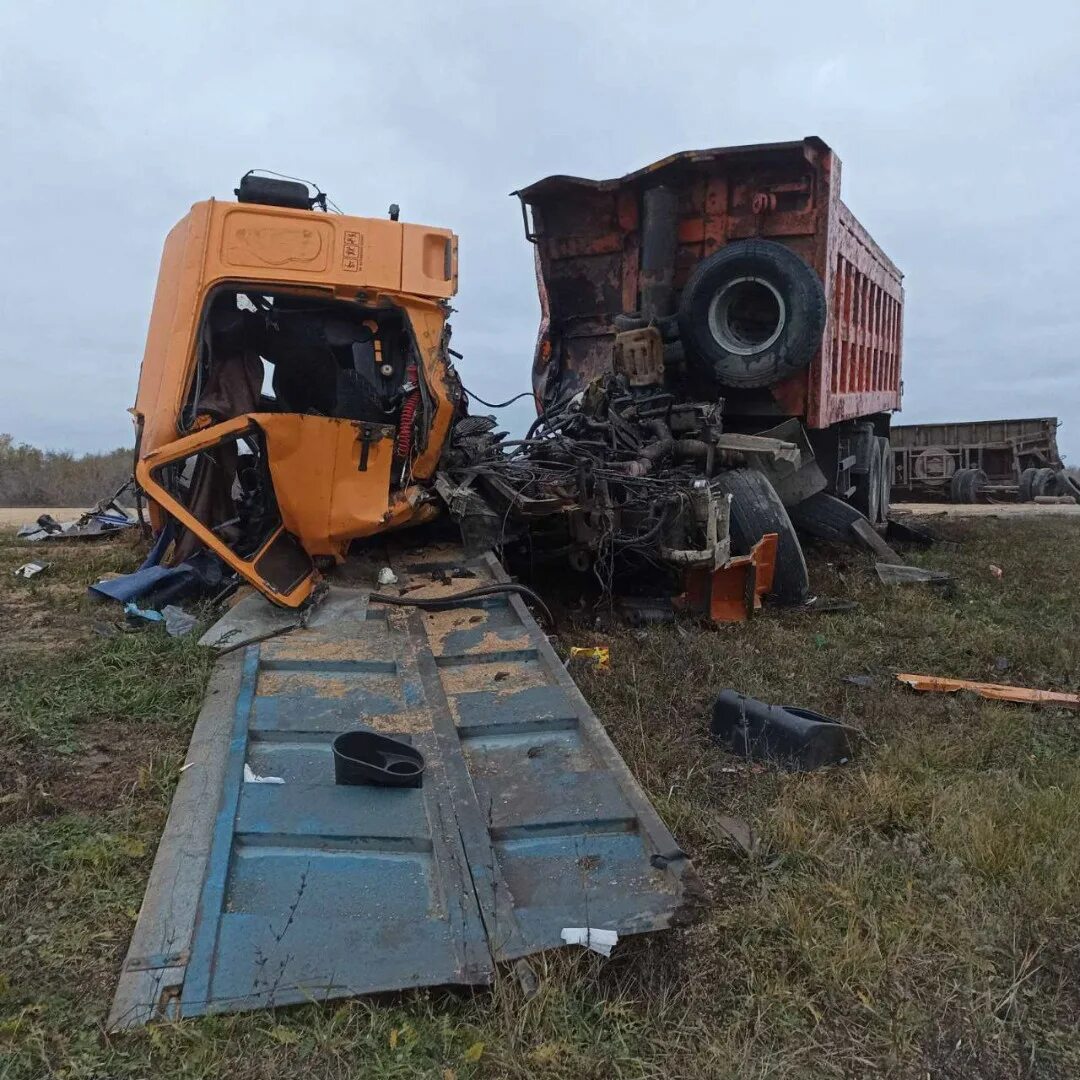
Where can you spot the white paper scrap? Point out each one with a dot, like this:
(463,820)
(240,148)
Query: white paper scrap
(251,777)
(600,941)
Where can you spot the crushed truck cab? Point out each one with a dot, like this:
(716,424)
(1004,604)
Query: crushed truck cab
(296,390)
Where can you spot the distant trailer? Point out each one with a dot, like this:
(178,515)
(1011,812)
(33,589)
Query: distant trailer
(976,460)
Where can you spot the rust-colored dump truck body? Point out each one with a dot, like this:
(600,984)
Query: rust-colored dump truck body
(594,265)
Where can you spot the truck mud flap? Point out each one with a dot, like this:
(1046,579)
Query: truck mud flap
(274,886)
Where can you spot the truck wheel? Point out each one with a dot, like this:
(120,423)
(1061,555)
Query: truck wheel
(753,312)
(867,496)
(756,509)
(1024,492)
(1044,482)
(971,485)
(825,517)
(957,483)
(885,498)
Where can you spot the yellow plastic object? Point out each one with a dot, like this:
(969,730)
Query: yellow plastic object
(600,655)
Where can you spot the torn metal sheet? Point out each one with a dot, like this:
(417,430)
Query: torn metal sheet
(528,820)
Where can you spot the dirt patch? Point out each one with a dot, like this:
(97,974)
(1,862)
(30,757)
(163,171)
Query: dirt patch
(111,763)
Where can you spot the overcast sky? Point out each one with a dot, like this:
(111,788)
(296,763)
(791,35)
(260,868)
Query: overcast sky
(958,125)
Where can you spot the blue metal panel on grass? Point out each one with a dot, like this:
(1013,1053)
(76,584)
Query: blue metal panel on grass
(528,820)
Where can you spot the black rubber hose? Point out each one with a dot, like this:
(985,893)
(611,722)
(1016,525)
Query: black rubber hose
(438,603)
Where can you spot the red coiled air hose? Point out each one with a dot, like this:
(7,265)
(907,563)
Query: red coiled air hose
(403,447)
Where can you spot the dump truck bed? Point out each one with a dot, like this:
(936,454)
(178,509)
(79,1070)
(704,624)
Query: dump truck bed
(588,234)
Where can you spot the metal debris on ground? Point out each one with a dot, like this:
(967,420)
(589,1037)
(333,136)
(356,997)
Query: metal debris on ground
(740,832)
(103,519)
(528,821)
(902,574)
(31,569)
(797,738)
(178,622)
(994,691)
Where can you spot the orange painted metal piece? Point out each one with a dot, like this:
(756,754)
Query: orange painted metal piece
(733,592)
(325,499)
(993,691)
(331,477)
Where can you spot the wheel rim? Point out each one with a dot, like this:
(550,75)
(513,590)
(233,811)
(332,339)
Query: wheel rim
(747,315)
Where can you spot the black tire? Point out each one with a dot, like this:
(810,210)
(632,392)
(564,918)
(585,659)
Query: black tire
(867,496)
(972,487)
(756,509)
(753,313)
(1044,482)
(885,498)
(1024,492)
(825,517)
(956,485)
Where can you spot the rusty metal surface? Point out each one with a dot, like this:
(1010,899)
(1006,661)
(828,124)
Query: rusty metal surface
(528,820)
(588,260)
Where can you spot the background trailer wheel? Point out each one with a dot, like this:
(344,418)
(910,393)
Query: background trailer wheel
(1044,482)
(756,509)
(1024,492)
(966,485)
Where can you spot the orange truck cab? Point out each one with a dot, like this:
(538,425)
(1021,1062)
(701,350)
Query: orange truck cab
(296,390)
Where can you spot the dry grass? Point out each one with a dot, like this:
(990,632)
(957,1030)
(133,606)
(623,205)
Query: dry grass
(910,914)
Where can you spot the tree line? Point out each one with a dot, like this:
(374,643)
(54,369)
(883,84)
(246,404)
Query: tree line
(33,477)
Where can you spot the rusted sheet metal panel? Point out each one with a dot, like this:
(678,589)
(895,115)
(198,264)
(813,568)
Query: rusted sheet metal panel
(528,820)
(588,262)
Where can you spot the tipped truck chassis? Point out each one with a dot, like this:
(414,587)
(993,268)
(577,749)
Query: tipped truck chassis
(975,459)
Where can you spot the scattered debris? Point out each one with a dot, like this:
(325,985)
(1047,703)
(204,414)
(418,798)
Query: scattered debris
(598,655)
(797,738)
(902,574)
(31,569)
(136,614)
(993,691)
(820,605)
(103,519)
(250,620)
(906,532)
(387,576)
(600,941)
(863,681)
(865,532)
(739,831)
(252,777)
(996,571)
(178,623)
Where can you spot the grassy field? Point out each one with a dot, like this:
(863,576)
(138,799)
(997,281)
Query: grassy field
(915,913)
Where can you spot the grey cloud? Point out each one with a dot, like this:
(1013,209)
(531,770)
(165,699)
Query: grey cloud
(956,124)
